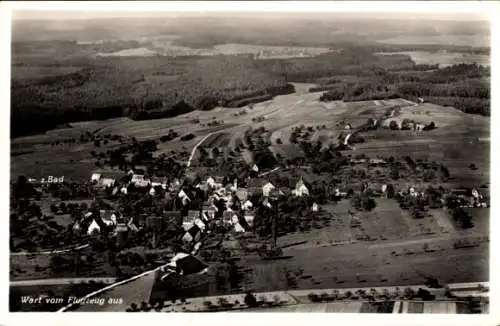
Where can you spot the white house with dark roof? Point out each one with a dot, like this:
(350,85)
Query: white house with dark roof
(341,192)
(249,217)
(300,189)
(95,177)
(242,194)
(184,197)
(208,211)
(106,182)
(247,205)
(93,228)
(211,182)
(267,188)
(159,182)
(192,235)
(315,207)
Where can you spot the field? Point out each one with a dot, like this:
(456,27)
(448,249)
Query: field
(338,266)
(444,59)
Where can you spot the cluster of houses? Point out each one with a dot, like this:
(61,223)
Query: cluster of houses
(227,206)
(470,198)
(406,124)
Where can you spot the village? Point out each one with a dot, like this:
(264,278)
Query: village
(210,221)
(181,209)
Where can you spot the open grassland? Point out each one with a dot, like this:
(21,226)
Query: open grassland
(359,265)
(402,251)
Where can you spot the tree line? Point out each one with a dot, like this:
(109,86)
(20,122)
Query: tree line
(461,86)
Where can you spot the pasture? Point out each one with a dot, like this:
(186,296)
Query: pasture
(357,265)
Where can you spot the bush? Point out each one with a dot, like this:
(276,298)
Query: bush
(409,293)
(250,300)
(187,137)
(393,125)
(313,297)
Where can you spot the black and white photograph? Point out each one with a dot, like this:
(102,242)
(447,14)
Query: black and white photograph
(249,161)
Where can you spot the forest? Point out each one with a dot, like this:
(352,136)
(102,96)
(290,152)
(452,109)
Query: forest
(464,86)
(160,87)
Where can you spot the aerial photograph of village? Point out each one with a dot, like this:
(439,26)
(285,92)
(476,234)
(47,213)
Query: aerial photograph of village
(250,161)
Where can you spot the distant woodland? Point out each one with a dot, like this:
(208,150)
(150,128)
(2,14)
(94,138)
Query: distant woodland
(78,87)
(465,87)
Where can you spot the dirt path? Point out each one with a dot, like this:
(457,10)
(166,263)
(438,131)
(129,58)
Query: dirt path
(193,151)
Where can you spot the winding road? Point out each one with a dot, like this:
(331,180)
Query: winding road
(193,151)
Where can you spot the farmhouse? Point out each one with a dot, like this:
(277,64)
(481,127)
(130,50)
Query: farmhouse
(315,207)
(300,189)
(249,217)
(210,182)
(95,177)
(342,192)
(247,205)
(121,228)
(227,217)
(377,161)
(108,217)
(208,211)
(93,228)
(242,194)
(175,185)
(189,219)
(358,160)
(138,179)
(184,197)
(159,182)
(106,182)
(193,234)
(238,228)
(266,189)
(76,226)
